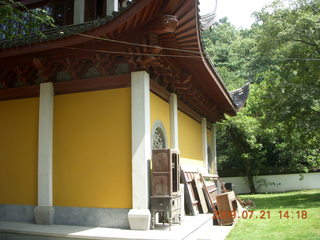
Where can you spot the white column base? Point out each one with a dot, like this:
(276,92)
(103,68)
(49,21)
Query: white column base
(44,215)
(139,219)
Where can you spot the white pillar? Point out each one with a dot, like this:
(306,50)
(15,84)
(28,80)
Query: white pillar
(204,142)
(174,137)
(78,12)
(44,212)
(214,149)
(139,215)
(112,5)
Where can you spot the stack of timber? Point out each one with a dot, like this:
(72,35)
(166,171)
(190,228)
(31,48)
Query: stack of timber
(200,193)
(210,183)
(190,193)
(207,194)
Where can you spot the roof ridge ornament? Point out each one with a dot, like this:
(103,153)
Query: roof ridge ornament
(207,20)
(239,96)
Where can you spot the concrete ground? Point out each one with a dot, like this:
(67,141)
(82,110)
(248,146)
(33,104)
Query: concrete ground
(193,227)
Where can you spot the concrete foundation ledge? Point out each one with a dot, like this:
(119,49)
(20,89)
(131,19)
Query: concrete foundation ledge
(76,216)
(44,215)
(139,219)
(17,213)
(92,217)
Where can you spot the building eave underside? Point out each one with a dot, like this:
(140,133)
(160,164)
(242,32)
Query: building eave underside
(204,93)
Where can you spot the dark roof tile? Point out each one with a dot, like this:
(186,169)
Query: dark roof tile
(240,96)
(60,32)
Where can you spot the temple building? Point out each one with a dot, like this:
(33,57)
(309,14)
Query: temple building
(82,108)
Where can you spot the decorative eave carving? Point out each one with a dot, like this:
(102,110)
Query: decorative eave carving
(162,70)
(167,24)
(163,24)
(45,68)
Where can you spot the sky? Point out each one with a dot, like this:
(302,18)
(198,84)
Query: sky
(237,11)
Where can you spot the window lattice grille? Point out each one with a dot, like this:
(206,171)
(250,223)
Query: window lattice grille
(158,139)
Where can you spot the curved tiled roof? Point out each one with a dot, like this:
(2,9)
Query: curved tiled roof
(187,37)
(207,20)
(240,95)
(61,32)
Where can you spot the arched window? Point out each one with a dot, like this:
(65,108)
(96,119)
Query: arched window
(159,136)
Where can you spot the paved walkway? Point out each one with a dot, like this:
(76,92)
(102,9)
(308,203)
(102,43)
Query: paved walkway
(197,227)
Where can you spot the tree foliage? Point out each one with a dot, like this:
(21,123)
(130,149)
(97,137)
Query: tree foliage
(291,102)
(16,20)
(279,55)
(222,44)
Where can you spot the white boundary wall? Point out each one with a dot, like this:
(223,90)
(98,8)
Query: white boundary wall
(288,182)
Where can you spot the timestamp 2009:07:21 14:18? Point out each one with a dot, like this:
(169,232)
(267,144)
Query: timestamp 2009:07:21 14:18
(250,214)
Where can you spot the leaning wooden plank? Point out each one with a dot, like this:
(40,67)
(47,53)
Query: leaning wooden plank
(209,200)
(201,195)
(216,219)
(212,192)
(193,192)
(207,194)
(187,194)
(212,206)
(222,185)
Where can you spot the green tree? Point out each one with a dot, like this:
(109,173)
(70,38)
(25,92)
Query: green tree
(280,56)
(291,102)
(241,135)
(222,45)
(16,20)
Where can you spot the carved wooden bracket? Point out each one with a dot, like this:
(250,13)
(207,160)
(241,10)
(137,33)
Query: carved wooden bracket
(163,24)
(45,68)
(7,78)
(103,63)
(26,75)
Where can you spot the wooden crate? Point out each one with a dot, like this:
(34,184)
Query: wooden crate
(226,203)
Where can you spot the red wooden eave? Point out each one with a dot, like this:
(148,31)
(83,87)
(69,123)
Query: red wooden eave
(186,37)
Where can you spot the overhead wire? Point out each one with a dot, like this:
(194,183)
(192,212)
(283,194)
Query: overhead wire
(180,56)
(135,53)
(204,56)
(137,44)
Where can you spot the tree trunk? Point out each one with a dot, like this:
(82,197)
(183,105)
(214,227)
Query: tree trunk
(251,183)
(250,177)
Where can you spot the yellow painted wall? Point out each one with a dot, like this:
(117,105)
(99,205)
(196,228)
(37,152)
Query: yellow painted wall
(19,151)
(160,110)
(92,149)
(190,140)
